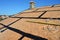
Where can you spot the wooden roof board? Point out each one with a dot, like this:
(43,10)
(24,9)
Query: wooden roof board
(52,14)
(30,10)
(8,20)
(45,7)
(49,9)
(57,5)
(30,14)
(9,35)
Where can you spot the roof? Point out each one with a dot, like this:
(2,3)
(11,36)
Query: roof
(34,24)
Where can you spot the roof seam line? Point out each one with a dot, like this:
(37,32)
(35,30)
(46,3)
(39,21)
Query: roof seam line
(14,22)
(42,14)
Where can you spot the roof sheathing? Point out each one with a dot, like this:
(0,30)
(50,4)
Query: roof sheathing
(45,28)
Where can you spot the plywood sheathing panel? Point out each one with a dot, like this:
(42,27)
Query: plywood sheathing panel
(8,20)
(9,35)
(52,14)
(45,7)
(30,10)
(31,14)
(56,5)
(49,9)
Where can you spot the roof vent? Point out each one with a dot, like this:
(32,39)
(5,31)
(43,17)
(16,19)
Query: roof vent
(32,5)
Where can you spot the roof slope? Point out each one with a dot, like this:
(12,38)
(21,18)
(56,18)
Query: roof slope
(33,24)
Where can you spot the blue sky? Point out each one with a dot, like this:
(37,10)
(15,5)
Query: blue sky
(10,7)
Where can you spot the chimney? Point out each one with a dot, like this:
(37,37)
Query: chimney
(32,5)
